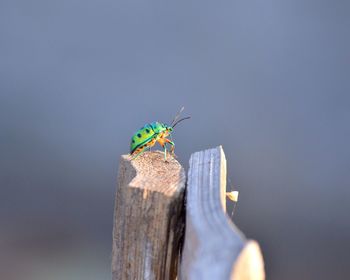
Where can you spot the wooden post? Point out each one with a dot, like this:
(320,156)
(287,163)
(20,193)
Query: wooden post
(214,247)
(148,218)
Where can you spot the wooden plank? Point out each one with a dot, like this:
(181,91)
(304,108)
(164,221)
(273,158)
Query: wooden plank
(148,217)
(214,246)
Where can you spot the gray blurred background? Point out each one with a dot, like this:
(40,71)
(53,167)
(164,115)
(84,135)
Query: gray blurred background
(269,80)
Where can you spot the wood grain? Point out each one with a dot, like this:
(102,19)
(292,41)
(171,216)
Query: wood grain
(148,217)
(214,247)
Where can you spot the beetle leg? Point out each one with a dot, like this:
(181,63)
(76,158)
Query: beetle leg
(172,146)
(139,153)
(162,143)
(164,147)
(164,152)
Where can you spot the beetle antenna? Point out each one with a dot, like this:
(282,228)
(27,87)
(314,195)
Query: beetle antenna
(180,120)
(177,116)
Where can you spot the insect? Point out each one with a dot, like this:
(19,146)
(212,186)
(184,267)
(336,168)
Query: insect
(147,136)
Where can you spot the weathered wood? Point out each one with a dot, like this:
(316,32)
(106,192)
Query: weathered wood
(148,217)
(214,246)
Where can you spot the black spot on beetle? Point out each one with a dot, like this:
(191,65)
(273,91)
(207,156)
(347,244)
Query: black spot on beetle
(147,130)
(139,135)
(133,140)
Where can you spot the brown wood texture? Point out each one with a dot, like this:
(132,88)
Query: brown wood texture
(148,218)
(214,246)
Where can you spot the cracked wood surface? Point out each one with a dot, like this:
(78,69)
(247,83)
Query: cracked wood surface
(148,217)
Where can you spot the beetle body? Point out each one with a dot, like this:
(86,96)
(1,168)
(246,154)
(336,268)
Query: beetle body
(147,136)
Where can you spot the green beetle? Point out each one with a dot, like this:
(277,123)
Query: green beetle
(147,136)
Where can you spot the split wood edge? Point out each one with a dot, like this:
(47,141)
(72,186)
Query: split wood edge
(214,247)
